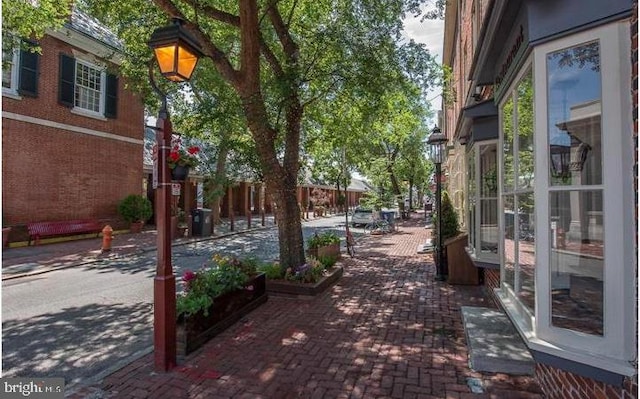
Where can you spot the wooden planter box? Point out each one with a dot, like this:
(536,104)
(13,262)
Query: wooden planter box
(195,330)
(461,268)
(332,250)
(293,289)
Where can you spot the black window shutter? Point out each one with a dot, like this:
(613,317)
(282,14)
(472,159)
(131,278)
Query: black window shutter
(111,105)
(67,80)
(29,71)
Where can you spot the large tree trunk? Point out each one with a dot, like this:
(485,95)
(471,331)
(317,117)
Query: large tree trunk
(218,185)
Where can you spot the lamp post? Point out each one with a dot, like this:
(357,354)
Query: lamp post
(437,146)
(176,53)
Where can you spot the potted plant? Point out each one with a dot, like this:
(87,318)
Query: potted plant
(324,244)
(215,297)
(180,160)
(136,210)
(314,277)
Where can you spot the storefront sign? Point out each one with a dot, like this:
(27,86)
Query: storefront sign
(510,58)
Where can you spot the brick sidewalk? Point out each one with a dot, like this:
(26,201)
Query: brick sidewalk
(386,330)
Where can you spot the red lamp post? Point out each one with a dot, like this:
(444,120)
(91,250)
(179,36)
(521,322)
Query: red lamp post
(177,55)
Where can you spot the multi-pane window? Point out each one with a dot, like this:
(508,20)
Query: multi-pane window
(576,222)
(88,87)
(10,59)
(482,209)
(518,235)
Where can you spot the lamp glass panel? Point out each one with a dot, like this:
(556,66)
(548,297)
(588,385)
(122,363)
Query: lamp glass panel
(166,56)
(186,62)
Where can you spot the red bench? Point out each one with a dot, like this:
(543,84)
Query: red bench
(38,230)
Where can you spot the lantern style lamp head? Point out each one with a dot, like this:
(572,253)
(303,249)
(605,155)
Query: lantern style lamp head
(176,51)
(437,145)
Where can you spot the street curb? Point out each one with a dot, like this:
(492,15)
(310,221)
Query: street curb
(139,251)
(144,250)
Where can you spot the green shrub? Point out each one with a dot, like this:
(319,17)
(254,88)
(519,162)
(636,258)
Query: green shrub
(223,274)
(450,226)
(272,271)
(135,208)
(327,261)
(320,240)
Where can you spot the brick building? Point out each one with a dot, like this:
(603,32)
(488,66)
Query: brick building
(541,116)
(71,132)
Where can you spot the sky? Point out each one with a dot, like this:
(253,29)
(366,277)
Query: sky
(431,33)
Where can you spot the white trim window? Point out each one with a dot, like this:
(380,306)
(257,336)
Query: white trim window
(87,88)
(518,241)
(20,67)
(578,240)
(10,65)
(586,217)
(482,206)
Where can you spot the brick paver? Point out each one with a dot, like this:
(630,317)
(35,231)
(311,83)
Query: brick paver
(386,330)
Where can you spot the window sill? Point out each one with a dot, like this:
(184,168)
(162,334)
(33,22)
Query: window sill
(81,112)
(481,263)
(11,94)
(608,370)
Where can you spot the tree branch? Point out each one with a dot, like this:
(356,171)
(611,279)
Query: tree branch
(290,47)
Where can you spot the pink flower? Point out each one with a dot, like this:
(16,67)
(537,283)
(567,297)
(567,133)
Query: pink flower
(188,276)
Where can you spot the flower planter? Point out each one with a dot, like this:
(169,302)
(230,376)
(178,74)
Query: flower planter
(195,330)
(179,173)
(331,250)
(293,289)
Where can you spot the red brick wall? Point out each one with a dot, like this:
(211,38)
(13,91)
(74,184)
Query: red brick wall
(559,384)
(55,174)
(491,281)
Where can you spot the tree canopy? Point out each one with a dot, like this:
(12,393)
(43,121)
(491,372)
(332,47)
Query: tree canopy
(303,76)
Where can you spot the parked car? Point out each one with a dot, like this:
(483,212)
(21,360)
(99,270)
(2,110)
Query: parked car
(361,216)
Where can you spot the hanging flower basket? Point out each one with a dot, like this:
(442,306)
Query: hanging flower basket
(179,173)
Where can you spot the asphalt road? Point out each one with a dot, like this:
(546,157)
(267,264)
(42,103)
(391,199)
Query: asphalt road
(83,322)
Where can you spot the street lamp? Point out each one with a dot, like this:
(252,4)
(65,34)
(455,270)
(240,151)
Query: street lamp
(437,146)
(177,54)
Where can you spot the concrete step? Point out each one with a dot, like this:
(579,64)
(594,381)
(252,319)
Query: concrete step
(494,344)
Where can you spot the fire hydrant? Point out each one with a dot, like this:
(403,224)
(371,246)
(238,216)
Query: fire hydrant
(107,236)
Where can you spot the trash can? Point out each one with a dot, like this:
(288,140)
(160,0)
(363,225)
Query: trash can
(389,217)
(202,225)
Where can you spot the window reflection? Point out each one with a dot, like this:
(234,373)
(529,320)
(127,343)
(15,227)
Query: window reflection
(507,150)
(526,250)
(574,92)
(509,241)
(577,260)
(525,132)
(488,207)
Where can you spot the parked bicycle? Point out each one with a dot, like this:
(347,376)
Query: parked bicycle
(378,226)
(350,244)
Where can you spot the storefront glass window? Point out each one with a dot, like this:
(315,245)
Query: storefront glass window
(575,202)
(517,192)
